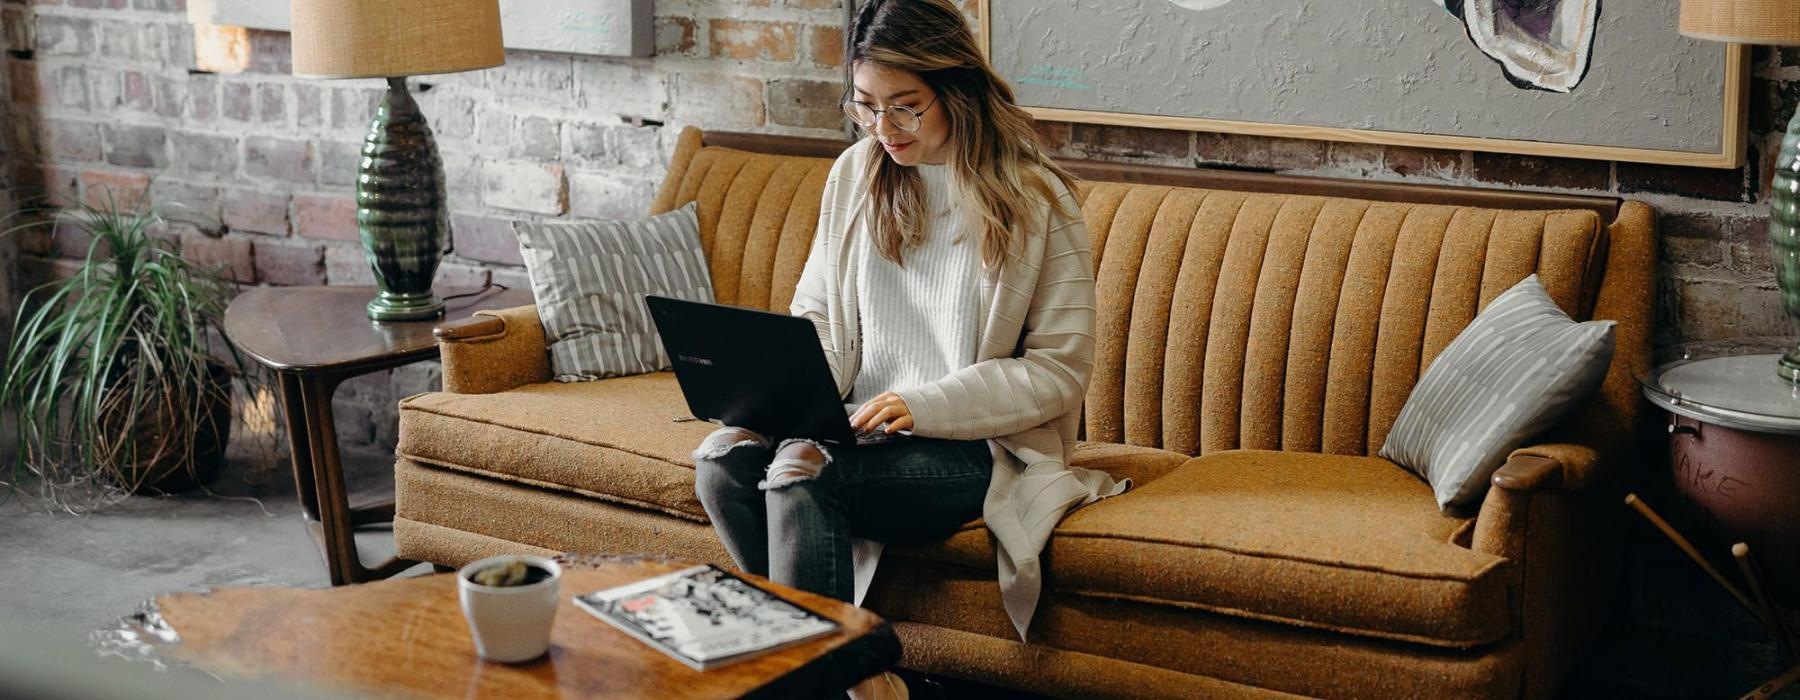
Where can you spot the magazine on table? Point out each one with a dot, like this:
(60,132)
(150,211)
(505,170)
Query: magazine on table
(704,616)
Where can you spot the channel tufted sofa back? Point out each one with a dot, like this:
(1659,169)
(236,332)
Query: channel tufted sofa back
(1231,319)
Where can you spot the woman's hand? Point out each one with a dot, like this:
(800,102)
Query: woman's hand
(887,408)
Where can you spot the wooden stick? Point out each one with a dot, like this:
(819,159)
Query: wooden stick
(1644,509)
(1783,637)
(1774,685)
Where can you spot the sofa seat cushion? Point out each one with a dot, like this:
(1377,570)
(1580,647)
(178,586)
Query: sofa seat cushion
(1350,544)
(970,547)
(616,440)
(613,439)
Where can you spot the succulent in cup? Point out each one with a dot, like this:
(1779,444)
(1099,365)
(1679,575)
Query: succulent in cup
(506,573)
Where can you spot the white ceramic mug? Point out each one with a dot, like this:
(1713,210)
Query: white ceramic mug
(510,623)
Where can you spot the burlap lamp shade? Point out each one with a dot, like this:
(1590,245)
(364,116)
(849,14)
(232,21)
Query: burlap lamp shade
(401,212)
(389,38)
(1769,22)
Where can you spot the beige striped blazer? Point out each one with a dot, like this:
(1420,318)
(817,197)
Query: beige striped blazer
(1023,394)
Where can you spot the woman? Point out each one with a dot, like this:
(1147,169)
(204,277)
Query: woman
(952,287)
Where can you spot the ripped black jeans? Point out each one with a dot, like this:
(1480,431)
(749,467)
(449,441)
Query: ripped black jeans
(788,511)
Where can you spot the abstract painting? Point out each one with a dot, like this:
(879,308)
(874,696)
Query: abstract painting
(1540,43)
(1536,77)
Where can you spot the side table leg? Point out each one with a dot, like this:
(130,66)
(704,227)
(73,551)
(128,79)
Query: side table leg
(299,445)
(337,536)
(300,452)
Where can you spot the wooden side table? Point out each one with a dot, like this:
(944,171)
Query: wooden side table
(314,338)
(1734,444)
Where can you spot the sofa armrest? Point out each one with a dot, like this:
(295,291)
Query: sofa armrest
(1553,519)
(493,351)
(1550,466)
(1533,473)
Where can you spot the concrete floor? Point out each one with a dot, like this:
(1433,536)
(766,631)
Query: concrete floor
(87,571)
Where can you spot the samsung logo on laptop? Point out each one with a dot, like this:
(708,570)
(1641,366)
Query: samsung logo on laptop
(691,359)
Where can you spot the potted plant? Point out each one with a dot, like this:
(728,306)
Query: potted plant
(114,376)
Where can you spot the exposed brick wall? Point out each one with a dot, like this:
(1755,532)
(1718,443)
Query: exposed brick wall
(101,99)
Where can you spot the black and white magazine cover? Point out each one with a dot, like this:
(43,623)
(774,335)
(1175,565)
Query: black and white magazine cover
(704,616)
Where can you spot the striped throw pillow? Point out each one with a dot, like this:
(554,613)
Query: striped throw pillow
(1519,368)
(590,279)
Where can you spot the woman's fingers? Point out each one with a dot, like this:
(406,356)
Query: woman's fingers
(887,408)
(895,415)
(882,416)
(860,420)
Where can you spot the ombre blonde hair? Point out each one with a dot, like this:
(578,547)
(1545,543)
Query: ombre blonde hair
(991,139)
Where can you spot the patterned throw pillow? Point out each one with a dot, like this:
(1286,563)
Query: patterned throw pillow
(1520,367)
(590,279)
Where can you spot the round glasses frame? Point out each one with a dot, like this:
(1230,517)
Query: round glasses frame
(910,122)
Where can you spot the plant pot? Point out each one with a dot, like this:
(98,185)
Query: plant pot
(172,453)
(510,624)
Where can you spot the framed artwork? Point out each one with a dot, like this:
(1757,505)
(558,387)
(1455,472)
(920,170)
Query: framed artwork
(1533,77)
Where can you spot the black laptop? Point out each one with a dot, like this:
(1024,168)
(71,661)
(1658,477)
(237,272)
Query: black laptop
(752,369)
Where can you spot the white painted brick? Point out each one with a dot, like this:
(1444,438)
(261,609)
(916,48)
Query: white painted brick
(609,195)
(638,147)
(347,264)
(628,88)
(524,186)
(718,101)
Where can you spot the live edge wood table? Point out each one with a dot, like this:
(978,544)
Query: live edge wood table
(314,338)
(406,638)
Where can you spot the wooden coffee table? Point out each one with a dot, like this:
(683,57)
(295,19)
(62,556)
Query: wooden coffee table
(406,637)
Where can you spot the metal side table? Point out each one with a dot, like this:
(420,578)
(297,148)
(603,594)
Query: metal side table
(1734,445)
(314,338)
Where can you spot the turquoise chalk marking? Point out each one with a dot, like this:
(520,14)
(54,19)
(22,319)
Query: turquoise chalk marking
(1064,84)
(1063,77)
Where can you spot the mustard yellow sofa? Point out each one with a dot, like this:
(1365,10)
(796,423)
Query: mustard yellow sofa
(1256,341)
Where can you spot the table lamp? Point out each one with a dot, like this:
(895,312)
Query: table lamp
(400,207)
(1771,22)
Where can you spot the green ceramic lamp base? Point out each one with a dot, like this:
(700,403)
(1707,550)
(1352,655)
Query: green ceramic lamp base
(391,306)
(1784,238)
(400,209)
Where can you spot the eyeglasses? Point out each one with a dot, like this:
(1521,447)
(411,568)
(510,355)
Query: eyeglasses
(900,117)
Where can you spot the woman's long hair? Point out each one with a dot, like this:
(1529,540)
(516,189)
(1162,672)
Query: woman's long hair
(991,141)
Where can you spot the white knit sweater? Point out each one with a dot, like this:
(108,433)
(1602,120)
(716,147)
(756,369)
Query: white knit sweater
(922,318)
(1024,391)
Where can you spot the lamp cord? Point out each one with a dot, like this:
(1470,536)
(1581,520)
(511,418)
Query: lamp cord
(490,284)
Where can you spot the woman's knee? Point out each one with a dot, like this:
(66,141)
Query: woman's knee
(717,473)
(796,461)
(726,440)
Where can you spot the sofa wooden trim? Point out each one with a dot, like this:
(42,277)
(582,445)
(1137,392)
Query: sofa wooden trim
(1529,473)
(1227,179)
(469,329)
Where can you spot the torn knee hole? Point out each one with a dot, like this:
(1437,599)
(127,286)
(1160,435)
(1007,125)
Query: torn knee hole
(802,450)
(724,440)
(795,461)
